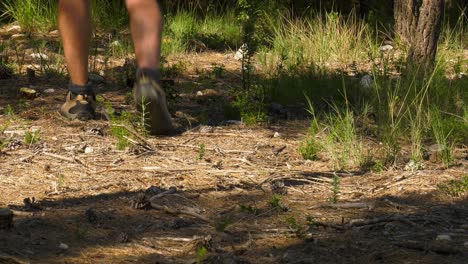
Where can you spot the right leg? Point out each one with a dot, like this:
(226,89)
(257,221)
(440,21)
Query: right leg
(75,28)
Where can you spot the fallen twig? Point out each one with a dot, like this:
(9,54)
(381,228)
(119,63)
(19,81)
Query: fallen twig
(73,159)
(180,211)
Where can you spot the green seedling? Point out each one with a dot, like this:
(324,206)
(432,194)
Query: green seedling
(335,188)
(32,137)
(249,209)
(456,188)
(201,152)
(201,254)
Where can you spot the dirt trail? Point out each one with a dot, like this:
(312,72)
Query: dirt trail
(247,197)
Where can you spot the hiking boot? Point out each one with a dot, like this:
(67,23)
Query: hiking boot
(150,101)
(80,103)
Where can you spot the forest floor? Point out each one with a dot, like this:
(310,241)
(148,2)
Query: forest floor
(218,193)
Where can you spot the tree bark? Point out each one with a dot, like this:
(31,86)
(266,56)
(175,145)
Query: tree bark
(418,23)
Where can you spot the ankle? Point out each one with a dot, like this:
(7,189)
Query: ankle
(153,74)
(80,89)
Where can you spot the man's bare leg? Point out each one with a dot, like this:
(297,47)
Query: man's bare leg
(75,28)
(146,28)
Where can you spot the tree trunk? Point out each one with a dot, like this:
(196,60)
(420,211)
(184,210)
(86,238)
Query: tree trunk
(418,22)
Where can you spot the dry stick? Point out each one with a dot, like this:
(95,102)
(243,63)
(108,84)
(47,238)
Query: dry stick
(369,205)
(145,169)
(219,135)
(179,211)
(146,144)
(73,160)
(198,147)
(28,158)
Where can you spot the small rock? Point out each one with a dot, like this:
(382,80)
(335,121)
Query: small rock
(63,246)
(276,135)
(243,50)
(199,93)
(88,150)
(206,129)
(96,78)
(28,93)
(14,29)
(39,56)
(366,81)
(385,48)
(54,32)
(49,91)
(443,238)
(18,36)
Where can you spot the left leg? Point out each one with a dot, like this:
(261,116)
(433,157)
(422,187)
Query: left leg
(146,28)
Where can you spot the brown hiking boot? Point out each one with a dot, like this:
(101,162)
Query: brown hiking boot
(80,103)
(150,99)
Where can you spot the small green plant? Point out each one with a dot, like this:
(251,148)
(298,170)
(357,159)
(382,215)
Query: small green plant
(218,70)
(144,115)
(248,209)
(311,223)
(442,135)
(221,225)
(295,227)
(9,111)
(378,166)
(335,188)
(32,137)
(23,103)
(201,151)
(275,202)
(456,188)
(201,254)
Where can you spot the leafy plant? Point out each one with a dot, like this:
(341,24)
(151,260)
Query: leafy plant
(335,188)
(201,151)
(456,188)
(32,137)
(201,254)
(249,209)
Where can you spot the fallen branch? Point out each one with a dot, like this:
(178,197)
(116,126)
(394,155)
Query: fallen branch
(369,205)
(72,160)
(180,211)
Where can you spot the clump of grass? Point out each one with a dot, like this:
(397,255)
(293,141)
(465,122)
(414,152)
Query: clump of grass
(201,152)
(32,137)
(310,146)
(335,188)
(249,209)
(456,188)
(201,254)
(441,135)
(32,15)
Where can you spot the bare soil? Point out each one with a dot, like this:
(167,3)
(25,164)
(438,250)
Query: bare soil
(74,194)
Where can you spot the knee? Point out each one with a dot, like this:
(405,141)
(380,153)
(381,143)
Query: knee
(135,4)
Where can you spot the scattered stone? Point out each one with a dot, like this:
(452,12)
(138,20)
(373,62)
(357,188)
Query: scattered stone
(54,33)
(63,246)
(443,237)
(6,218)
(414,166)
(98,131)
(206,129)
(385,48)
(15,29)
(49,91)
(28,93)
(95,78)
(88,150)
(39,56)
(243,50)
(366,81)
(276,135)
(123,238)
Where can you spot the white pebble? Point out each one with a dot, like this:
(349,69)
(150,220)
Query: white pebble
(276,135)
(63,246)
(49,91)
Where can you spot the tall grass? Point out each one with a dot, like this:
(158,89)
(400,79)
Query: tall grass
(326,39)
(32,15)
